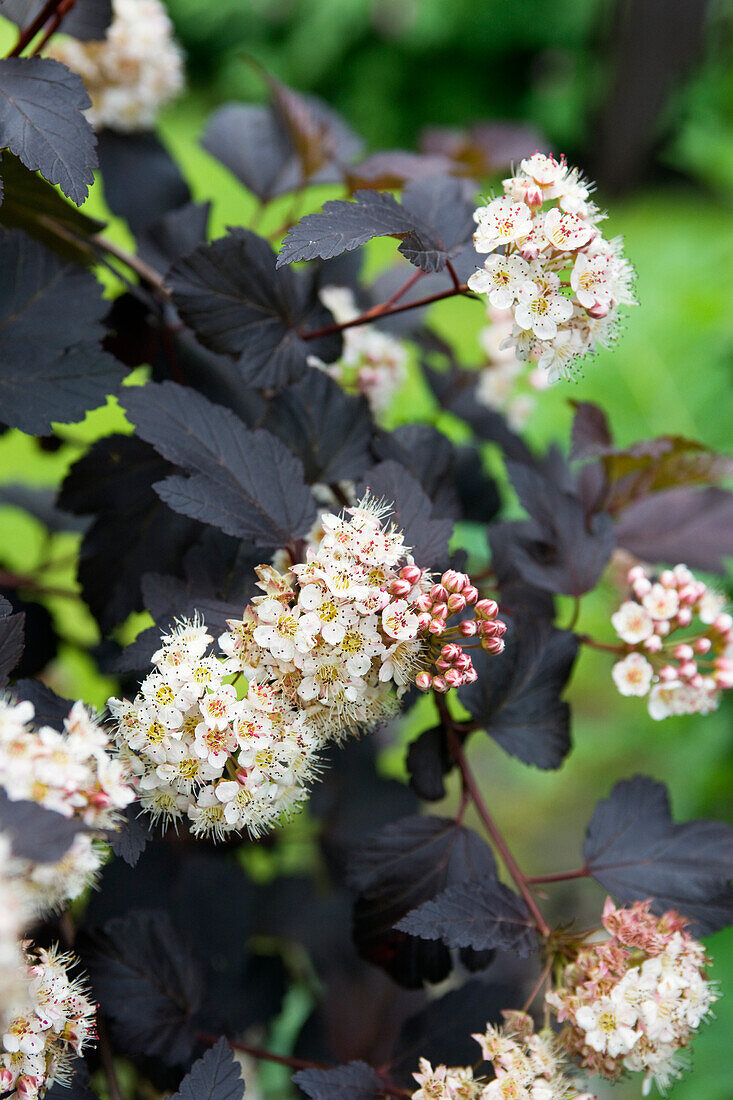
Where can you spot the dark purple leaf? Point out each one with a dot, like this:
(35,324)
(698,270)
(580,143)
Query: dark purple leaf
(252,142)
(141,180)
(398,868)
(591,434)
(40,502)
(391,169)
(215,1076)
(328,430)
(36,833)
(41,121)
(430,457)
(517,696)
(633,848)
(690,525)
(321,140)
(50,709)
(174,235)
(428,761)
(561,550)
(12,640)
(130,840)
(147,983)
(481,914)
(50,314)
(132,528)
(237,303)
(485,148)
(245,482)
(411,512)
(354,1081)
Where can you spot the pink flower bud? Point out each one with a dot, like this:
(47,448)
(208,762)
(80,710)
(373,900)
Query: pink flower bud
(488,629)
(437,626)
(442,665)
(470,676)
(703,645)
(424,602)
(463,663)
(486,609)
(440,610)
(411,573)
(662,627)
(450,651)
(635,573)
(456,602)
(684,616)
(470,594)
(667,578)
(696,681)
(453,678)
(600,309)
(533,195)
(400,588)
(423,681)
(687,669)
(438,593)
(668,673)
(642,586)
(722,623)
(654,644)
(452,580)
(424,621)
(468,628)
(499,628)
(6,1080)
(439,684)
(723,663)
(684,652)
(723,679)
(688,594)
(492,645)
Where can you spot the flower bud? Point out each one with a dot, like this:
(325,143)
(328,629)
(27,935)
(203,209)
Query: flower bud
(437,626)
(453,678)
(492,645)
(442,665)
(668,673)
(703,645)
(452,580)
(424,621)
(667,578)
(440,611)
(456,602)
(684,616)
(411,574)
(439,685)
(423,681)
(684,652)
(722,623)
(468,628)
(470,594)
(486,609)
(438,593)
(687,669)
(450,651)
(400,588)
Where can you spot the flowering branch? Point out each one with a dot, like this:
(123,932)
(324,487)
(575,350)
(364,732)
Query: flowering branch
(387,310)
(471,786)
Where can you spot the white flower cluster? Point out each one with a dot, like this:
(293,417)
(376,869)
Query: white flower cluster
(326,652)
(54,1023)
(527,1066)
(72,773)
(503,380)
(322,651)
(373,363)
(633,1002)
(134,72)
(551,266)
(679,675)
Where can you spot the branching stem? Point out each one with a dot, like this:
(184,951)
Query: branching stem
(560,876)
(386,310)
(585,639)
(27,35)
(472,787)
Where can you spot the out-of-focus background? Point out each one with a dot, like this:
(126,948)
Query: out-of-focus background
(639,93)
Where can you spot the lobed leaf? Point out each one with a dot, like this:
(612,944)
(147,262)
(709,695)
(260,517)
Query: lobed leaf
(354,1081)
(142,182)
(37,833)
(517,696)
(41,121)
(236,302)
(690,525)
(215,1076)
(634,849)
(12,639)
(482,913)
(245,482)
(411,511)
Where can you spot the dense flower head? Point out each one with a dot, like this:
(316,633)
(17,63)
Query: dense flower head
(13,918)
(526,1066)
(73,773)
(54,1022)
(372,363)
(551,266)
(131,74)
(679,643)
(232,738)
(634,1001)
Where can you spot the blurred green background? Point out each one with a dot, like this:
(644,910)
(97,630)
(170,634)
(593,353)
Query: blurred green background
(640,95)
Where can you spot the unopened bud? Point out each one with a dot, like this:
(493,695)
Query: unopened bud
(722,623)
(437,626)
(439,684)
(684,616)
(684,652)
(410,573)
(440,610)
(470,594)
(492,645)
(456,602)
(486,609)
(470,676)
(453,678)
(468,628)
(668,673)
(438,593)
(450,651)
(423,681)
(400,587)
(703,645)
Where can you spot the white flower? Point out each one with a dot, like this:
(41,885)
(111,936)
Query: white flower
(567,232)
(632,622)
(541,308)
(608,1025)
(399,621)
(545,171)
(558,356)
(500,278)
(590,280)
(500,222)
(661,602)
(633,675)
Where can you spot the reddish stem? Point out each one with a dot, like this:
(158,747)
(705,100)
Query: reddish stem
(585,639)
(385,310)
(56,19)
(561,876)
(30,32)
(471,786)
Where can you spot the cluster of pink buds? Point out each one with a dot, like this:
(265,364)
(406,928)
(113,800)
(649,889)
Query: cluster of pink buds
(682,674)
(451,596)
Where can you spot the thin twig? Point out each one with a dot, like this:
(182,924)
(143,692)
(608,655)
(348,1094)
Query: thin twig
(501,845)
(575,614)
(538,986)
(145,271)
(56,20)
(585,639)
(373,313)
(29,33)
(107,1060)
(560,876)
